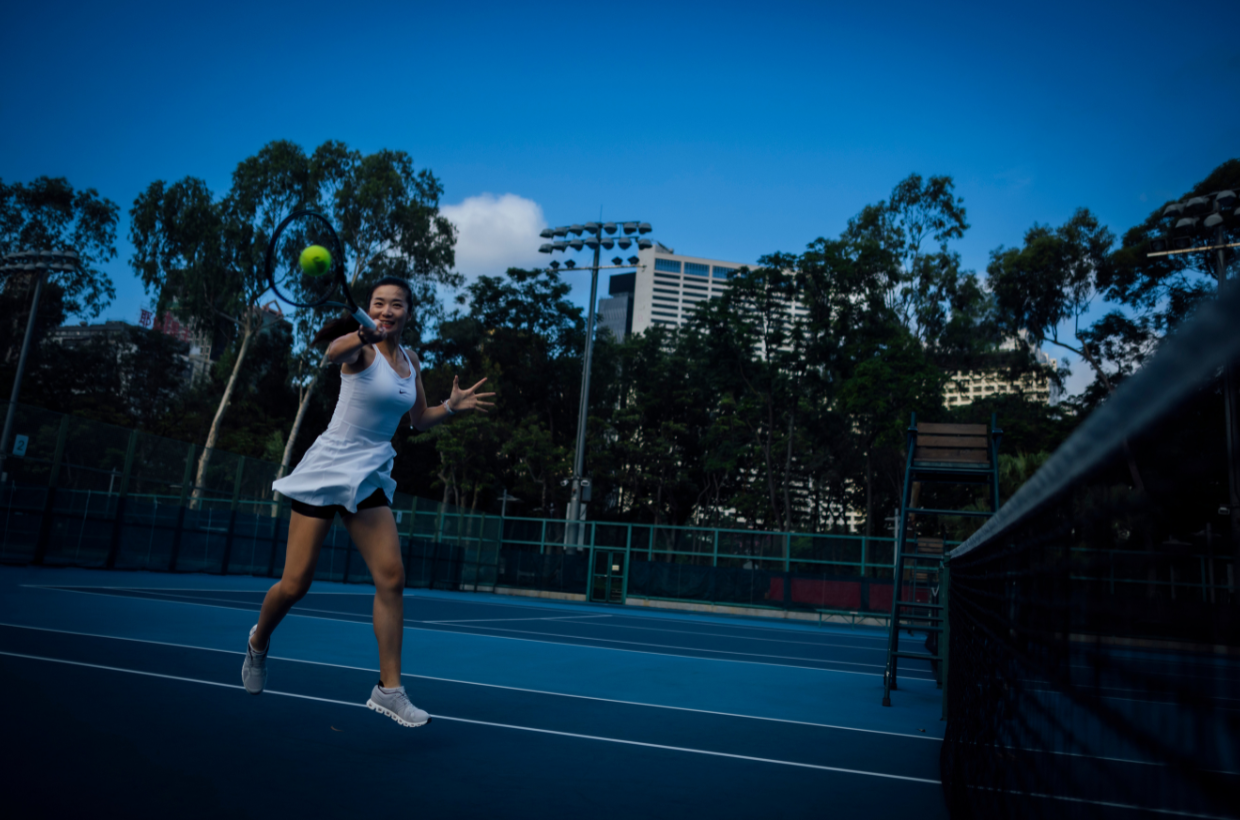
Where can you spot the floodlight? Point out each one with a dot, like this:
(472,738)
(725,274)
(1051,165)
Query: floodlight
(1225,199)
(555,264)
(561,231)
(575,244)
(1213,220)
(1197,204)
(592,227)
(547,233)
(617,261)
(630,227)
(1173,211)
(610,227)
(633,260)
(624,242)
(1186,224)
(608,242)
(644,228)
(1158,244)
(591,243)
(576,230)
(570,264)
(548,248)
(560,245)
(643,244)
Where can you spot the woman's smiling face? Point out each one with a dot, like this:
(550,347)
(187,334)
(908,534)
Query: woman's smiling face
(389,308)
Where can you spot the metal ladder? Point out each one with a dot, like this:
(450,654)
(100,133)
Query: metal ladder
(937,453)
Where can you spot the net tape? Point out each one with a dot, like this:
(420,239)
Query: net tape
(1194,353)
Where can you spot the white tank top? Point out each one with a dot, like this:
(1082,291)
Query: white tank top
(373,401)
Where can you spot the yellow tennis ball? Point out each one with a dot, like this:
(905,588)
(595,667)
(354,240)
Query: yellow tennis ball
(316,260)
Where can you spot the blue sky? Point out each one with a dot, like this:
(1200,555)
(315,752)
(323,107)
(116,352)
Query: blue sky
(735,129)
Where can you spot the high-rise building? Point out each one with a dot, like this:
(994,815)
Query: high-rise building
(967,386)
(664,290)
(615,313)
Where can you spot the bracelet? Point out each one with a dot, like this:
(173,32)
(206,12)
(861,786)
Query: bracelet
(447,407)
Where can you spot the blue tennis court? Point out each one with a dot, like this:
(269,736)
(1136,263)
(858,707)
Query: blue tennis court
(122,690)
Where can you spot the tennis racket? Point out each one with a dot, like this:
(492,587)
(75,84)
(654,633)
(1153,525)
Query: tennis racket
(300,230)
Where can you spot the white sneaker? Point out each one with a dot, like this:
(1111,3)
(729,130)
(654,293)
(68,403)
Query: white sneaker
(254,669)
(395,704)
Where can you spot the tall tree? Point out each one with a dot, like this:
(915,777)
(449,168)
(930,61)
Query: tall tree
(49,215)
(1054,279)
(205,256)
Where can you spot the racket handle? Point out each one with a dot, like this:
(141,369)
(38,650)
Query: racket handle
(364,319)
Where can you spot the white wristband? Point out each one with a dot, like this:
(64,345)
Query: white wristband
(447,407)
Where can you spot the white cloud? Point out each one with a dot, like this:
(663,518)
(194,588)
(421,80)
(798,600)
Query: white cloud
(495,233)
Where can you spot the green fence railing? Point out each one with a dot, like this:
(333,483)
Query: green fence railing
(90,494)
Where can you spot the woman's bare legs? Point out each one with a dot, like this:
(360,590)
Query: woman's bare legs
(374,532)
(305,538)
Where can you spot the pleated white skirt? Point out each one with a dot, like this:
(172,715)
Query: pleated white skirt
(342,471)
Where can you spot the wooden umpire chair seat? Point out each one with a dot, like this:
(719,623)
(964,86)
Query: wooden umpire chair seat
(941,453)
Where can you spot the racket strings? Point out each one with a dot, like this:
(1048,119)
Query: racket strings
(294,285)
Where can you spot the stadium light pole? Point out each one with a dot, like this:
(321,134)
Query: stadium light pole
(37,264)
(597,236)
(1211,213)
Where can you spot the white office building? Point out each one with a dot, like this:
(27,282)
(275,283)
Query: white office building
(664,290)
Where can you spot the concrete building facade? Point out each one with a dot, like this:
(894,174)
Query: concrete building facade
(664,290)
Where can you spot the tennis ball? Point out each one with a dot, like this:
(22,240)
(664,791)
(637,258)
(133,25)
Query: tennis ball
(316,260)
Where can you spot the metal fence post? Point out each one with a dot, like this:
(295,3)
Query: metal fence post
(628,563)
(275,535)
(49,501)
(186,478)
(119,521)
(232,517)
(787,570)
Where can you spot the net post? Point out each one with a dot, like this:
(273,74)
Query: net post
(118,522)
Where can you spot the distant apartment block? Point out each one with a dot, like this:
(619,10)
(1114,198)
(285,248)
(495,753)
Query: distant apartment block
(968,386)
(664,290)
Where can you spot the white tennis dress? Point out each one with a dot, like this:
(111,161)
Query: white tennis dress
(353,457)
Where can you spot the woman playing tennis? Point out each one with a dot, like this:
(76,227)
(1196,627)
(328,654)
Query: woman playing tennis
(348,471)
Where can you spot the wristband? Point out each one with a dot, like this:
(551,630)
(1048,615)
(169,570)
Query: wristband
(447,407)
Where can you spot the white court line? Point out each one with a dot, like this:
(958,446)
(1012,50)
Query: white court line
(510,620)
(733,637)
(466,625)
(635,613)
(83,591)
(487,685)
(668,646)
(599,738)
(175,594)
(1107,803)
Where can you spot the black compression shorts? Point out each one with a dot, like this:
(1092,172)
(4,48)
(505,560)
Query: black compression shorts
(376,499)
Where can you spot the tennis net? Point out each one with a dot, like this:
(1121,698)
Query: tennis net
(1094,626)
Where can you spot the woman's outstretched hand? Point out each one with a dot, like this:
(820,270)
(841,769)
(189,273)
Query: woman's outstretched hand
(468,399)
